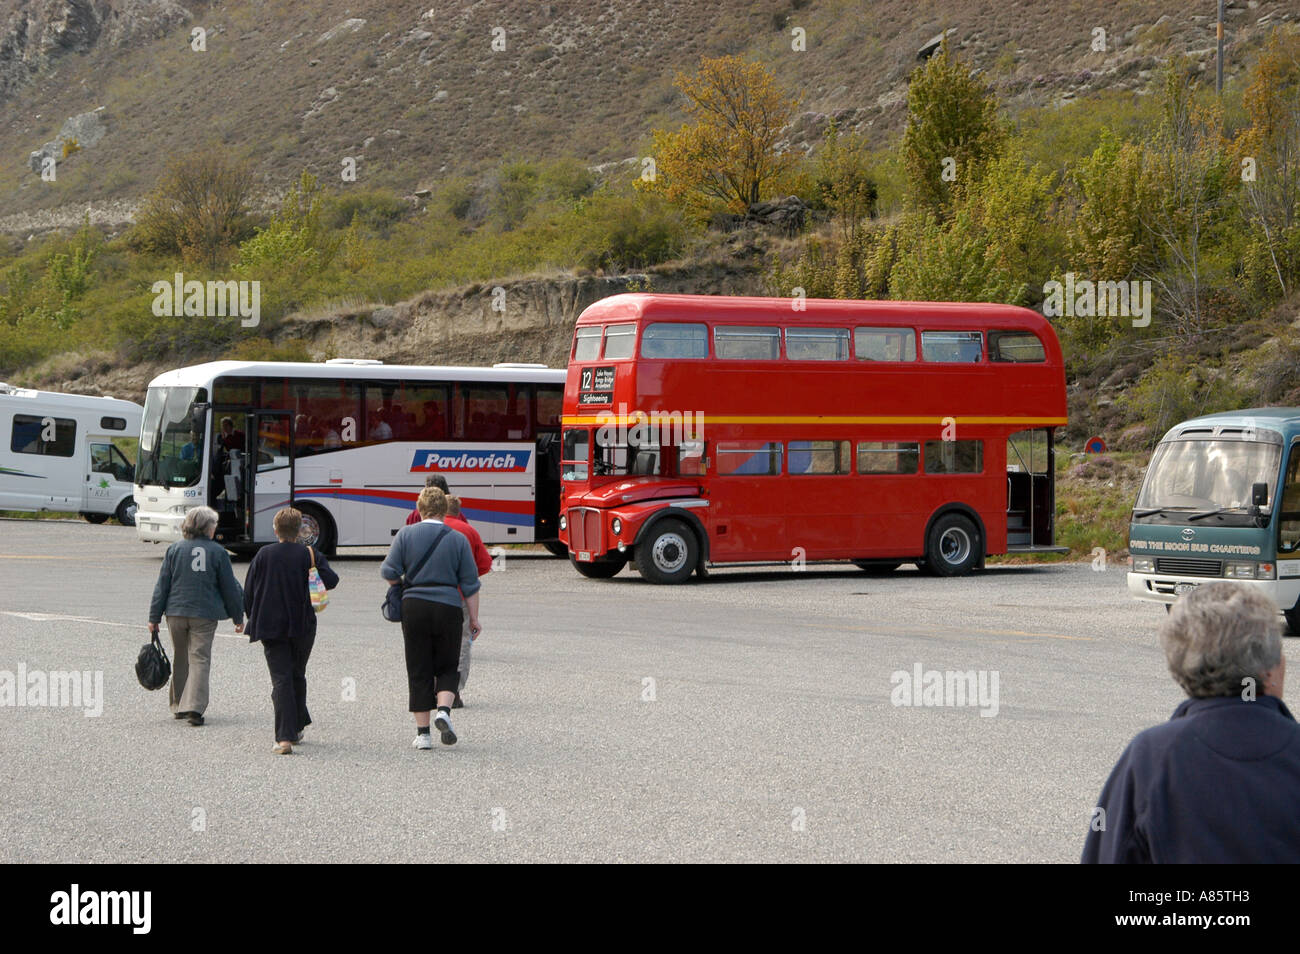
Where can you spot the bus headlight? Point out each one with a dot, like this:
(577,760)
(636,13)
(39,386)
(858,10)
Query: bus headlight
(564,522)
(1142,564)
(1248,571)
(617,526)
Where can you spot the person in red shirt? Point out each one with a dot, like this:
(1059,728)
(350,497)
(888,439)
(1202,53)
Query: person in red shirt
(482,561)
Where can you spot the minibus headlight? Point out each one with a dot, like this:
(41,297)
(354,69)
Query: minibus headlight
(617,526)
(1142,564)
(1239,571)
(564,522)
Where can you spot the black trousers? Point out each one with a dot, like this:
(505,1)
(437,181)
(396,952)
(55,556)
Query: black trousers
(287,661)
(431,632)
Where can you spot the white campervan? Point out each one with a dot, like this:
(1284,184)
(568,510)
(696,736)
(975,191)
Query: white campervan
(57,453)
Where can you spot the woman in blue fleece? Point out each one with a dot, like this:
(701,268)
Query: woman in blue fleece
(438,567)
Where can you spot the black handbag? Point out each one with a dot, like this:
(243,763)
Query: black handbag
(152,667)
(391,607)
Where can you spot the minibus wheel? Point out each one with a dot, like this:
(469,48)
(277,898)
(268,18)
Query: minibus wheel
(668,553)
(556,547)
(126,512)
(602,570)
(317,529)
(95,517)
(953,547)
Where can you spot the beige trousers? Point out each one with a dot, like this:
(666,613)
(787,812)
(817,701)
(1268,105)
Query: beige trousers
(192,640)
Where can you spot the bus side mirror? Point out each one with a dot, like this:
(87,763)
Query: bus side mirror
(1259,494)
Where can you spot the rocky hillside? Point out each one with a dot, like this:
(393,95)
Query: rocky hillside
(458,327)
(111,89)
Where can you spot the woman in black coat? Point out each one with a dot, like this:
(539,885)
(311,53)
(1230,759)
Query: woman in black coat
(280,616)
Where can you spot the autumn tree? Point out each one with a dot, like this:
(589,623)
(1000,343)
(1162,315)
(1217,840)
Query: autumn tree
(1268,156)
(1188,160)
(843,181)
(952,128)
(726,155)
(199,209)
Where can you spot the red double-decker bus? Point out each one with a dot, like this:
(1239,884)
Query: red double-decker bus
(702,430)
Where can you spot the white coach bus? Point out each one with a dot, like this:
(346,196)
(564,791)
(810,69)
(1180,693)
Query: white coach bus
(349,443)
(57,453)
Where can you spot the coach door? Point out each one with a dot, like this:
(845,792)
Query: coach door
(269,455)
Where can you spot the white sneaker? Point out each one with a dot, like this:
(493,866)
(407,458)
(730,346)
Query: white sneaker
(422,740)
(442,722)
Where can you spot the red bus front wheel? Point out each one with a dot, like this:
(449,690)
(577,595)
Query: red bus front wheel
(668,553)
(601,570)
(953,547)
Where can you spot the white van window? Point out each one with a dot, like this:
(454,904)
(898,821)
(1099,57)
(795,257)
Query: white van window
(46,436)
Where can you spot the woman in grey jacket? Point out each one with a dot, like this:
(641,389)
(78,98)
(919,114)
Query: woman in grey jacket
(196,587)
(437,567)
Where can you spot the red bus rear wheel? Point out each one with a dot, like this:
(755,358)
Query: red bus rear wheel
(953,547)
(668,553)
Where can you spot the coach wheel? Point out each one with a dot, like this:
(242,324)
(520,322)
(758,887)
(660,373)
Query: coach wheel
(599,571)
(556,547)
(1292,621)
(125,513)
(877,569)
(953,547)
(668,553)
(317,529)
(95,517)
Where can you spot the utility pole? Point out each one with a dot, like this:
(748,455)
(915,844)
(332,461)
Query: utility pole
(1218,60)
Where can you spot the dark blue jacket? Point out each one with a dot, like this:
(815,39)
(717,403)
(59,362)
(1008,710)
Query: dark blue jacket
(276,596)
(1218,783)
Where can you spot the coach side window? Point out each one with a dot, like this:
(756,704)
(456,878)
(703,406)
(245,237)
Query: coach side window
(1017,346)
(749,458)
(675,340)
(817,344)
(819,457)
(954,457)
(747,342)
(46,436)
(959,347)
(884,344)
(888,457)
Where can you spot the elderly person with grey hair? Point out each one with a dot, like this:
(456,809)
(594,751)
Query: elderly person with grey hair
(196,587)
(1220,781)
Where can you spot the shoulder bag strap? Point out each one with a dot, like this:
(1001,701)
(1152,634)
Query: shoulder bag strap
(409,576)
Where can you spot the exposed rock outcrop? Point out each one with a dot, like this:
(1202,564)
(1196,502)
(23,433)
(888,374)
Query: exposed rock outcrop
(35,33)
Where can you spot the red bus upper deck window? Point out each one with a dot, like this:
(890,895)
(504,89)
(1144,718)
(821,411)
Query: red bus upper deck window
(747,342)
(620,342)
(675,340)
(586,343)
(1018,346)
(817,344)
(884,344)
(965,347)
